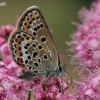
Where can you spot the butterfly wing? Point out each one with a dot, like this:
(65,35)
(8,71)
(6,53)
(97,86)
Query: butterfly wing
(32,44)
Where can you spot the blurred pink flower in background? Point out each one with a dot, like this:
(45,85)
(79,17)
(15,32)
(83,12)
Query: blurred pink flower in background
(89,87)
(86,47)
(5,32)
(86,40)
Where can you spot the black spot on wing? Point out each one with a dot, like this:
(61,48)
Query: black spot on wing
(34,45)
(30,67)
(35,29)
(45,57)
(26,52)
(38,27)
(41,25)
(26,61)
(39,60)
(40,47)
(35,54)
(43,39)
(28,44)
(29,57)
(36,64)
(34,33)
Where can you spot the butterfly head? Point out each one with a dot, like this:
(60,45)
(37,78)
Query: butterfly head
(56,73)
(62,69)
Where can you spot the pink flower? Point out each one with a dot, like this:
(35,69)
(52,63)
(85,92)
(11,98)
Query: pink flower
(3,95)
(50,96)
(17,87)
(6,83)
(6,30)
(88,88)
(64,96)
(49,88)
(4,50)
(5,53)
(86,39)
(2,40)
(40,95)
(86,46)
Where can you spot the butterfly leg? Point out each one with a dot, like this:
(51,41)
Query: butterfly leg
(28,75)
(32,75)
(61,84)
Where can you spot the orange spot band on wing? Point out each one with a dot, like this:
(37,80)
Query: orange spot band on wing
(26,37)
(18,48)
(25,28)
(20,39)
(19,54)
(27,25)
(20,61)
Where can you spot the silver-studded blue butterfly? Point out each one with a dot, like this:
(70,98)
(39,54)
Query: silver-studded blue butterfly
(32,46)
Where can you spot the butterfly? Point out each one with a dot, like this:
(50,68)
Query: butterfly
(32,46)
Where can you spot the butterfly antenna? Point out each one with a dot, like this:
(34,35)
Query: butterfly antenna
(71,79)
(73,64)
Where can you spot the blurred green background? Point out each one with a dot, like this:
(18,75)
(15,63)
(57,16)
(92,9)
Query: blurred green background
(58,14)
